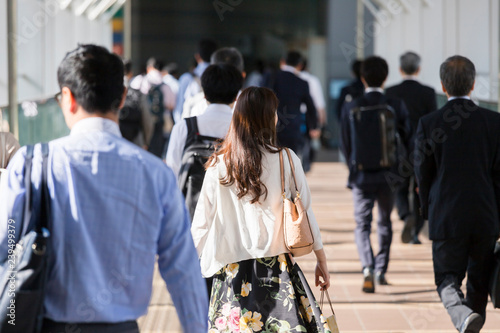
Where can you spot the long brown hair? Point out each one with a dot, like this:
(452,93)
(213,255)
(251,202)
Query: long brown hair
(253,129)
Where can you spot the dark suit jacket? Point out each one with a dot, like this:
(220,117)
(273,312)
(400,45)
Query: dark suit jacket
(457,166)
(292,91)
(354,90)
(419,99)
(370,180)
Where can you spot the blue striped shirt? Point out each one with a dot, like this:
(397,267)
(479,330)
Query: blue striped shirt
(114,208)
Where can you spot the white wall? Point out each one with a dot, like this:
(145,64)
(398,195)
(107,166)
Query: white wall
(45,34)
(437,29)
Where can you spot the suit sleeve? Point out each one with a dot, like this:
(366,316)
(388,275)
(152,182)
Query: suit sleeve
(340,103)
(432,102)
(345,131)
(425,168)
(496,174)
(404,128)
(312,113)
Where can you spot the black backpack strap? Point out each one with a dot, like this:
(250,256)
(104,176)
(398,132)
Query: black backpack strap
(28,196)
(45,198)
(194,135)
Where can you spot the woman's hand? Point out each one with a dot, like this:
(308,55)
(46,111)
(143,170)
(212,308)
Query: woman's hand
(321,270)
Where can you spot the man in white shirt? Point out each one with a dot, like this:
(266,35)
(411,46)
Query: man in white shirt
(197,104)
(146,83)
(221,84)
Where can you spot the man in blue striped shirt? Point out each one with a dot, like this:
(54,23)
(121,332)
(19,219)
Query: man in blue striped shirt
(114,208)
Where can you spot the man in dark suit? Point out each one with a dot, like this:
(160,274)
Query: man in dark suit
(420,100)
(353,90)
(457,166)
(293,127)
(371,186)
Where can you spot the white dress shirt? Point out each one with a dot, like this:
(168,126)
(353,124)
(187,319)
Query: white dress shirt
(214,122)
(227,230)
(315,89)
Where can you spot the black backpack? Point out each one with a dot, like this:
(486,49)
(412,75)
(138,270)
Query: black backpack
(155,99)
(130,118)
(197,151)
(374,136)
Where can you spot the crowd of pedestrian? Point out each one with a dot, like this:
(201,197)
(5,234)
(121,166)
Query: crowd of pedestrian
(212,205)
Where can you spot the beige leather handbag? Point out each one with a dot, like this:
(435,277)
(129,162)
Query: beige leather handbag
(298,235)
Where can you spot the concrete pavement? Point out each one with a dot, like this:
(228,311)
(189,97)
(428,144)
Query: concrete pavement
(409,304)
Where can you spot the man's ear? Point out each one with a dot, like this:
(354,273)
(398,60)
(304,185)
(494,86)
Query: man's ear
(69,100)
(444,89)
(364,82)
(244,74)
(124,96)
(473,86)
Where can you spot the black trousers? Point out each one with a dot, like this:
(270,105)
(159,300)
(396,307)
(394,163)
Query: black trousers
(50,326)
(453,259)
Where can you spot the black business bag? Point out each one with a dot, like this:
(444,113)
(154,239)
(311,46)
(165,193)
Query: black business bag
(373,136)
(495,278)
(23,274)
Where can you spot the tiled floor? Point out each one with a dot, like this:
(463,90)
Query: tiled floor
(409,304)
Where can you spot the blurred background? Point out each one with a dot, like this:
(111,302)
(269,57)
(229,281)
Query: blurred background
(36,34)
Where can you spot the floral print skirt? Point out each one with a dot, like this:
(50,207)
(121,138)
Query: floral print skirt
(263,295)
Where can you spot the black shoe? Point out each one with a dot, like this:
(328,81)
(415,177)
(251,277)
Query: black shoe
(415,240)
(380,279)
(472,324)
(368,282)
(406,234)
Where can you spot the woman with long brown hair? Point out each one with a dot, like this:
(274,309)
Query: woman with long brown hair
(237,229)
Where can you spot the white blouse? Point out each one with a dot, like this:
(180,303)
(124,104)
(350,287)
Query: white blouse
(226,229)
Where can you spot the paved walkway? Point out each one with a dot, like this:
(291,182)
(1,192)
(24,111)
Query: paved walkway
(409,304)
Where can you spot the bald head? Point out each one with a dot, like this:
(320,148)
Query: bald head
(457,75)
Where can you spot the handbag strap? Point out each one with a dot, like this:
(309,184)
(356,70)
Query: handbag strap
(321,302)
(282,172)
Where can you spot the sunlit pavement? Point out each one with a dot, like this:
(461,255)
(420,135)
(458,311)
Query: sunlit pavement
(409,304)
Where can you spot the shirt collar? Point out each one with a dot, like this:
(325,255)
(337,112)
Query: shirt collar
(374,89)
(410,77)
(198,71)
(458,97)
(96,124)
(219,108)
(287,68)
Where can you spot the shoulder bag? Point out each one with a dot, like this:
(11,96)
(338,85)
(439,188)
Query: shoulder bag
(298,235)
(23,274)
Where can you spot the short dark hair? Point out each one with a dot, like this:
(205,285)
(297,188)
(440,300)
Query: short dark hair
(205,49)
(457,74)
(409,63)
(221,83)
(94,76)
(374,70)
(293,58)
(127,66)
(230,56)
(356,68)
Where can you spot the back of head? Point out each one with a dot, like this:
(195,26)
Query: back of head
(127,67)
(374,71)
(171,68)
(230,56)
(206,47)
(94,76)
(356,68)
(293,58)
(409,63)
(457,75)
(253,129)
(221,83)
(154,63)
